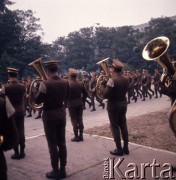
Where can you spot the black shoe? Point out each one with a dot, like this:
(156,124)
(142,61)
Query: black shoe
(38,117)
(81,138)
(103,105)
(174,168)
(143,100)
(29,115)
(15,156)
(93,110)
(90,105)
(156,96)
(63,173)
(117,152)
(75,139)
(126,151)
(22,154)
(53,175)
(135,99)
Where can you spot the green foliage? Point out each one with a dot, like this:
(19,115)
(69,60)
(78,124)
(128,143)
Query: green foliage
(21,43)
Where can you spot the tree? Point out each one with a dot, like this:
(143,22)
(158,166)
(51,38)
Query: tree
(3,4)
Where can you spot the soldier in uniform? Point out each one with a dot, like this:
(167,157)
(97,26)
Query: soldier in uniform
(138,86)
(156,82)
(8,133)
(150,82)
(145,84)
(170,91)
(28,108)
(75,103)
(52,93)
(115,91)
(92,90)
(16,93)
(85,81)
(131,92)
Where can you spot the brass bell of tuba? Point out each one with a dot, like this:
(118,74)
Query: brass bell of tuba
(156,49)
(37,65)
(102,78)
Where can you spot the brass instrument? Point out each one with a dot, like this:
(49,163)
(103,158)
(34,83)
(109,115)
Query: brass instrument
(37,65)
(156,49)
(102,78)
(1,139)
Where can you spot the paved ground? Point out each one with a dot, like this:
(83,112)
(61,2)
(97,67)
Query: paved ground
(86,160)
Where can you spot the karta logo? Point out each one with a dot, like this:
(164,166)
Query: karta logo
(113,170)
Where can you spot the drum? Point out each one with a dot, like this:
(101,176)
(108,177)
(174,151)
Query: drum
(172,120)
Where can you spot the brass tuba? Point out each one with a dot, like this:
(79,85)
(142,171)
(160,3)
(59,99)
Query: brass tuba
(156,49)
(37,65)
(102,78)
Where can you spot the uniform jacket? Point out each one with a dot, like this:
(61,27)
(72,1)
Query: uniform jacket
(7,127)
(56,91)
(117,95)
(16,94)
(77,93)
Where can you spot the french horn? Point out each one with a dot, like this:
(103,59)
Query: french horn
(102,78)
(37,65)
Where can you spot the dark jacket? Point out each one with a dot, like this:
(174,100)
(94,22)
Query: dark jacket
(7,127)
(117,95)
(77,93)
(53,99)
(16,94)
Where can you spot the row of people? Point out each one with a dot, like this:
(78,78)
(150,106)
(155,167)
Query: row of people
(139,86)
(54,93)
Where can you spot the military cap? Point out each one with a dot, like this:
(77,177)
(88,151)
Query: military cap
(12,70)
(117,64)
(51,63)
(72,71)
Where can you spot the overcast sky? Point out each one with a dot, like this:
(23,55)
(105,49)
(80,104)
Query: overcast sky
(60,17)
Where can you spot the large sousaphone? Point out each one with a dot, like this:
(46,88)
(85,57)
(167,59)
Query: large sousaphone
(156,49)
(102,78)
(37,65)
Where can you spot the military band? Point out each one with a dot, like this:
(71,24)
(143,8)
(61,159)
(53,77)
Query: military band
(60,94)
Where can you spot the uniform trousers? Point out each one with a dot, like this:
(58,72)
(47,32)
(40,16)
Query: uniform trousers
(76,115)
(19,121)
(118,124)
(55,135)
(3,165)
